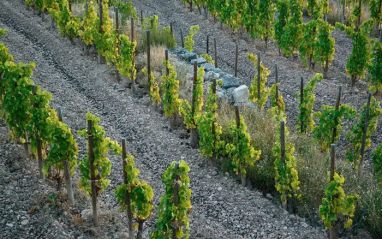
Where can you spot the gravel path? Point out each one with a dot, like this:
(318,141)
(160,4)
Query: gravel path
(222,208)
(290,72)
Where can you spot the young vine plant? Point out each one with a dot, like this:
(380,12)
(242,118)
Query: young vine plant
(170,88)
(264,91)
(189,41)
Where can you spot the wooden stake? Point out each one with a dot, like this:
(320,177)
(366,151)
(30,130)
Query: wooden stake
(333,232)
(181,37)
(258,75)
(282,146)
(92,174)
(343,12)
(133,89)
(171,28)
(216,54)
(101,59)
(365,128)
(141,16)
(277,81)
(194,133)
(335,118)
(236,59)
(176,194)
(208,42)
(68,181)
(118,37)
(127,196)
(148,59)
(38,142)
(166,59)
(301,102)
(213,122)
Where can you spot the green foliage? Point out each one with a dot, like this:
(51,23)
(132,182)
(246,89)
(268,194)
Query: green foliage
(360,56)
(102,165)
(17,98)
(314,8)
(292,35)
(209,130)
(306,107)
(241,152)
(126,9)
(324,48)
(286,177)
(62,145)
(170,88)
(125,63)
(253,90)
(377,162)
(375,68)
(282,18)
(308,42)
(189,115)
(208,58)
(336,203)
(158,37)
(89,29)
(39,112)
(3,32)
(376,10)
(277,102)
(265,20)
(356,134)
(329,119)
(169,215)
(154,88)
(189,43)
(141,193)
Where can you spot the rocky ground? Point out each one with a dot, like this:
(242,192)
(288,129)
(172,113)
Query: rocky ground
(32,208)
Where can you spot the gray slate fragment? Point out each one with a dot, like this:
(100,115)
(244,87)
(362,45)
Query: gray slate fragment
(207,67)
(178,50)
(188,56)
(230,81)
(199,60)
(241,94)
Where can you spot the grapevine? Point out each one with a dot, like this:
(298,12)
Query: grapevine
(140,193)
(324,50)
(209,130)
(208,58)
(308,42)
(329,119)
(189,43)
(102,164)
(265,20)
(170,88)
(154,88)
(89,25)
(264,91)
(286,178)
(242,153)
(375,68)
(125,63)
(356,134)
(186,110)
(377,162)
(282,18)
(336,202)
(305,118)
(277,101)
(171,216)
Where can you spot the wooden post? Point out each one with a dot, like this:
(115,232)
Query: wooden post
(380,36)
(237,114)
(282,146)
(92,174)
(38,142)
(213,122)
(171,28)
(70,5)
(365,129)
(343,12)
(181,37)
(141,16)
(166,59)
(258,75)
(176,194)
(236,59)
(216,54)
(333,232)
(208,42)
(68,181)
(335,118)
(133,87)
(118,38)
(127,196)
(277,81)
(148,59)
(86,47)
(301,102)
(194,133)
(101,59)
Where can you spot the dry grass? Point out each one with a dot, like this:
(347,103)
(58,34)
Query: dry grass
(78,9)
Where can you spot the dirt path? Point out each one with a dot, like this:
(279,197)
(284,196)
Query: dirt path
(222,209)
(290,72)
